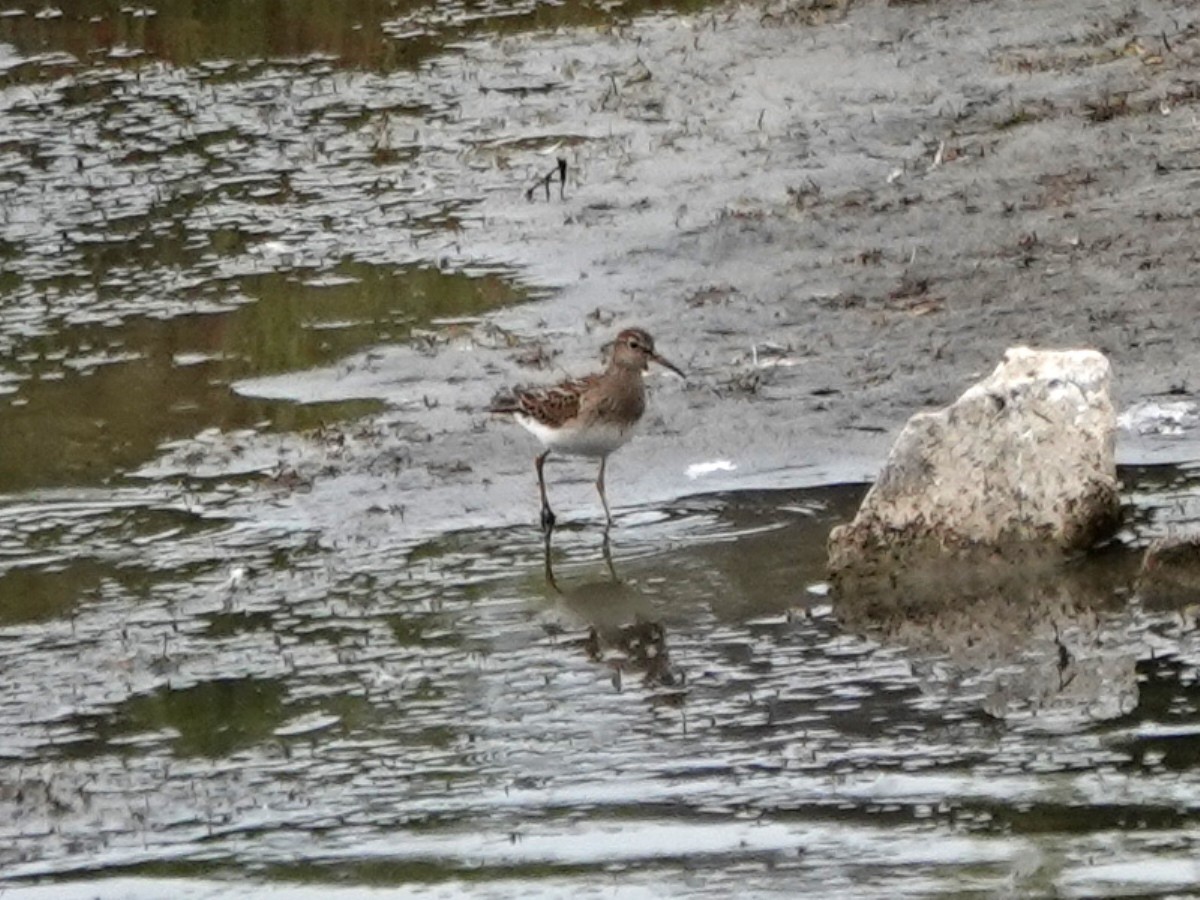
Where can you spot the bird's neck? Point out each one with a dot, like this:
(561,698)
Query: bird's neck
(620,368)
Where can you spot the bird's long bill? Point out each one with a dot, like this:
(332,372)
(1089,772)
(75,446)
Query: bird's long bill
(667,364)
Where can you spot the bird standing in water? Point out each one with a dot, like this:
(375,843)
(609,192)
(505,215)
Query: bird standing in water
(590,416)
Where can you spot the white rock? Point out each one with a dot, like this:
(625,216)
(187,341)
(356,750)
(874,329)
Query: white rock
(1023,460)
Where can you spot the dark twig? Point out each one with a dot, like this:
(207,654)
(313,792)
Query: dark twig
(561,171)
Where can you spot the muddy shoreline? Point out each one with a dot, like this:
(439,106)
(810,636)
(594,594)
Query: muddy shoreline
(831,225)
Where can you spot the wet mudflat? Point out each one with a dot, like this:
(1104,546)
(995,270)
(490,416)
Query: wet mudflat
(274,615)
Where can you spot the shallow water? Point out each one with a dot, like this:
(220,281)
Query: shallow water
(440,714)
(275,619)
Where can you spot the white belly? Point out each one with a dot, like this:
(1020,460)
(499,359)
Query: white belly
(594,441)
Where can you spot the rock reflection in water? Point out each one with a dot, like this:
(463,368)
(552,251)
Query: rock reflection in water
(1030,634)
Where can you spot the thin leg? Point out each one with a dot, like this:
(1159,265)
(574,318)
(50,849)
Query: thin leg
(603,499)
(606,552)
(550,579)
(547,512)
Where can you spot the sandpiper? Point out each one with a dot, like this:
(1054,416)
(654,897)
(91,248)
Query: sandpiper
(590,416)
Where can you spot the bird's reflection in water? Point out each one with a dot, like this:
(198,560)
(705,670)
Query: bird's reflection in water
(548,551)
(623,631)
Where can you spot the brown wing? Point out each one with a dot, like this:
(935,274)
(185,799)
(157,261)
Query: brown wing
(548,405)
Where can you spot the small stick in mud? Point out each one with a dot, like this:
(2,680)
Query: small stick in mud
(560,170)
